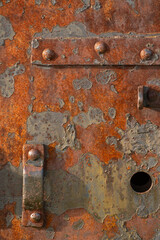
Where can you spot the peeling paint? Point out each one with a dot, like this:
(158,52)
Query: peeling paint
(11,189)
(50,233)
(53,2)
(102,189)
(7,79)
(137,138)
(86,5)
(61,103)
(154,82)
(93,116)
(106,77)
(71,99)
(6,30)
(9,219)
(83,83)
(35,43)
(78,225)
(80,105)
(38,2)
(113,89)
(112,113)
(74,29)
(47,127)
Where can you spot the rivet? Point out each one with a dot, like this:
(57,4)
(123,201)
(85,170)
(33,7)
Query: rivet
(34,154)
(100,47)
(35,217)
(48,54)
(146,54)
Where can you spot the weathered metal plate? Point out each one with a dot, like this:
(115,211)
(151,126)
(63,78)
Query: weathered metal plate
(33,161)
(75,51)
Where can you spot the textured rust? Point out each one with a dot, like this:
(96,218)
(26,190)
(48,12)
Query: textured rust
(83,107)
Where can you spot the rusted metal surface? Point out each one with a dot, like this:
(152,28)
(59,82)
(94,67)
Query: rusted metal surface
(95,51)
(33,161)
(85,113)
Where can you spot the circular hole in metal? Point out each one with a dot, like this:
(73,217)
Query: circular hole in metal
(141,182)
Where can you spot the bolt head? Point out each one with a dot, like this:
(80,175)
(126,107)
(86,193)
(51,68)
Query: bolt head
(35,217)
(146,54)
(100,47)
(48,54)
(34,154)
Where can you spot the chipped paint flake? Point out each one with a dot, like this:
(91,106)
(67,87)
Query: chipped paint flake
(93,116)
(137,138)
(6,30)
(83,83)
(74,29)
(106,77)
(7,79)
(47,128)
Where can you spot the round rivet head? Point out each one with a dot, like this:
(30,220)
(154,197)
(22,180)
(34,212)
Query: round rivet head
(100,47)
(34,154)
(48,54)
(35,217)
(146,54)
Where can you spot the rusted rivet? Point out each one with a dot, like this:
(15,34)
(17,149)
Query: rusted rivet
(146,54)
(33,154)
(35,217)
(48,54)
(100,47)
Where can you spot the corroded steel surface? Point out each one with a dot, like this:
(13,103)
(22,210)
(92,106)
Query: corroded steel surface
(86,116)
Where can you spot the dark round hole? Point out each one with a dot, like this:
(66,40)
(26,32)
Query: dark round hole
(141,182)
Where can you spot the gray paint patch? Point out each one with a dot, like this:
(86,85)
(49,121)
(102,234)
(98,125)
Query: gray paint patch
(106,77)
(35,43)
(74,29)
(80,105)
(137,138)
(131,3)
(93,116)
(47,127)
(71,99)
(102,189)
(9,219)
(7,79)
(83,83)
(38,2)
(97,5)
(50,233)
(78,225)
(112,113)
(11,189)
(61,102)
(154,82)
(113,89)
(86,5)
(1,4)
(6,30)
(53,2)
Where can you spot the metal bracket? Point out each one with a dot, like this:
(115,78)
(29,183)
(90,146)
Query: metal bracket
(116,51)
(32,209)
(148,97)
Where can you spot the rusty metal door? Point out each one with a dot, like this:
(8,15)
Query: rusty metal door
(80,119)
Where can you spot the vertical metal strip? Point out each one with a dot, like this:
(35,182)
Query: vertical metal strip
(32,206)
